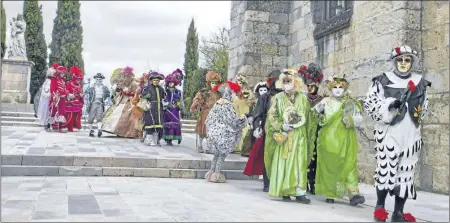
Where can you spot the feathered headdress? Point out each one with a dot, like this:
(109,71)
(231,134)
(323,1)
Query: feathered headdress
(178,74)
(142,78)
(213,76)
(311,74)
(234,87)
(52,70)
(337,79)
(272,77)
(61,69)
(171,78)
(76,72)
(127,71)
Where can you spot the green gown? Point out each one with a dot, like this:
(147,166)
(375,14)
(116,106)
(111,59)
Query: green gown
(286,163)
(337,151)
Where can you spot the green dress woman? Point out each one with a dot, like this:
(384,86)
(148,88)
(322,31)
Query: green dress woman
(337,147)
(286,146)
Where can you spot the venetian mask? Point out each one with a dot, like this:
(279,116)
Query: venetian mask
(403,63)
(98,81)
(262,90)
(213,84)
(245,93)
(288,84)
(171,85)
(155,82)
(312,89)
(338,91)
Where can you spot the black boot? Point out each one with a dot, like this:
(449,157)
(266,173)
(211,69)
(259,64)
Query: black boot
(329,200)
(99,133)
(302,199)
(380,214)
(312,187)
(398,215)
(91,133)
(286,198)
(266,181)
(169,142)
(357,199)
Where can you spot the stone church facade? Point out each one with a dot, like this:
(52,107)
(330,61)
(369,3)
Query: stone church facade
(355,38)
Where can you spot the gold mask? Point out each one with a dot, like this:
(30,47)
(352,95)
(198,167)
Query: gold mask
(404,63)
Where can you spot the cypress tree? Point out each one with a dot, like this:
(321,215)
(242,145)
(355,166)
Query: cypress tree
(192,81)
(67,36)
(35,43)
(3,30)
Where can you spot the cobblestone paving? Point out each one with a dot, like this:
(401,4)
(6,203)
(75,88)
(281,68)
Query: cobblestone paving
(60,199)
(36,141)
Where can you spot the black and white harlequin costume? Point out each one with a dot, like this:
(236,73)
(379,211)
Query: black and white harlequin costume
(397,133)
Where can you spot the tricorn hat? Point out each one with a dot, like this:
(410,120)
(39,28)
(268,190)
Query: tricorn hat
(99,75)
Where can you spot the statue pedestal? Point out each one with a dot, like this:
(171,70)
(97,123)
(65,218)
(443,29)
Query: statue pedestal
(16,77)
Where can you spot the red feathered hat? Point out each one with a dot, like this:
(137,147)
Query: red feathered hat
(76,72)
(234,87)
(62,69)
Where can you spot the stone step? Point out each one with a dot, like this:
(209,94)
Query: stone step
(19,170)
(108,161)
(29,117)
(184,129)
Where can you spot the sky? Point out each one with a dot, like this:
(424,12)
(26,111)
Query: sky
(140,34)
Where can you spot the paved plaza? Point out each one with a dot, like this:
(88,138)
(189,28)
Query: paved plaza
(69,194)
(61,199)
(36,141)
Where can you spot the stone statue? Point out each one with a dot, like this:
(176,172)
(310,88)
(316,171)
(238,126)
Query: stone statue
(16,42)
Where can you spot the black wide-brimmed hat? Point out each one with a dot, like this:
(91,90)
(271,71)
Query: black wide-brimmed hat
(99,75)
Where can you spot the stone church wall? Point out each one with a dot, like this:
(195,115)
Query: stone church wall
(359,46)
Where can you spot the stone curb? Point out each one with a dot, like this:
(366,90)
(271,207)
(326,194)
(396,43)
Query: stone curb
(91,161)
(16,170)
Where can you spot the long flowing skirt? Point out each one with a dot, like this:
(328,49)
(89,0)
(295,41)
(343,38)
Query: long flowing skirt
(172,124)
(43,112)
(118,120)
(255,163)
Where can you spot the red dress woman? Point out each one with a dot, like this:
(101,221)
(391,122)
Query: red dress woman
(74,103)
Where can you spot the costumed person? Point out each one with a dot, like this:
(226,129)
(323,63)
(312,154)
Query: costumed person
(96,98)
(86,85)
(202,103)
(42,101)
(397,101)
(244,103)
(312,76)
(58,97)
(224,129)
(286,146)
(137,111)
(74,102)
(337,147)
(118,120)
(255,164)
(172,118)
(153,95)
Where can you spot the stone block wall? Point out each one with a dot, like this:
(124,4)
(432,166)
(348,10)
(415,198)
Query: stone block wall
(434,174)
(15,81)
(361,51)
(258,38)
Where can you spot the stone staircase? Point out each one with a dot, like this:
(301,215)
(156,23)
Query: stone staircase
(27,119)
(45,165)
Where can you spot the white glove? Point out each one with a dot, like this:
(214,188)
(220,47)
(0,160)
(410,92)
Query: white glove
(242,121)
(250,121)
(114,86)
(257,133)
(287,127)
(319,108)
(165,103)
